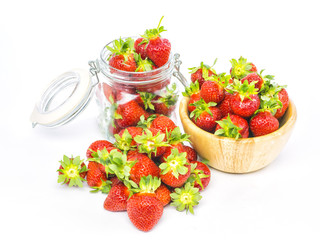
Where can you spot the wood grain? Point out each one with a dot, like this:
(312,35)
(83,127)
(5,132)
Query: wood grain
(242,155)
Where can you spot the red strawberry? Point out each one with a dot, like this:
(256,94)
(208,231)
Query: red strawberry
(211,91)
(163,123)
(193,98)
(144,65)
(163,194)
(128,114)
(140,47)
(191,153)
(95,176)
(245,101)
(157,49)
(152,142)
(165,103)
(72,171)
(200,73)
(284,99)
(241,68)
(254,77)
(105,92)
(143,167)
(168,150)
(200,175)
(232,126)
(117,198)
(193,92)
(144,208)
(205,115)
(122,57)
(97,145)
(125,138)
(263,123)
(224,106)
(175,170)
(144,99)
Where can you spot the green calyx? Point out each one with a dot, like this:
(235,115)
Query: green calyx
(149,184)
(146,123)
(152,33)
(147,98)
(269,104)
(122,47)
(104,188)
(205,69)
(270,89)
(222,79)
(143,65)
(100,156)
(71,169)
(228,129)
(240,68)
(201,106)
(175,136)
(192,89)
(147,143)
(124,142)
(185,198)
(244,89)
(168,97)
(196,175)
(118,165)
(175,162)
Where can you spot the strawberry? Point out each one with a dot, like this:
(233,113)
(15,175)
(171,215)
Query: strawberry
(278,93)
(211,91)
(143,65)
(122,56)
(263,123)
(224,106)
(97,145)
(205,115)
(140,47)
(152,142)
(128,114)
(200,175)
(157,49)
(144,208)
(193,92)
(163,194)
(175,139)
(144,166)
(125,138)
(245,100)
(72,171)
(232,126)
(97,179)
(191,153)
(175,170)
(166,101)
(241,68)
(163,123)
(105,91)
(200,73)
(117,198)
(185,198)
(284,99)
(144,99)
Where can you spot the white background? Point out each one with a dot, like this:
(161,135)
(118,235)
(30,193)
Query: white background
(39,40)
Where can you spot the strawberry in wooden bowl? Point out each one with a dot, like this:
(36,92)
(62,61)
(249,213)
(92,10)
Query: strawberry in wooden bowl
(256,119)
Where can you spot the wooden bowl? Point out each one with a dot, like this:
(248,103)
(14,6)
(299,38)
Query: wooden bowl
(242,155)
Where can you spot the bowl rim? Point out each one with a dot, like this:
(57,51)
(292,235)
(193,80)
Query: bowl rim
(183,111)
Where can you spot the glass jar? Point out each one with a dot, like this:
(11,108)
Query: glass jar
(119,92)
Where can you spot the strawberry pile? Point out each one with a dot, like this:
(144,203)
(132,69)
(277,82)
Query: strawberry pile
(241,104)
(147,167)
(125,103)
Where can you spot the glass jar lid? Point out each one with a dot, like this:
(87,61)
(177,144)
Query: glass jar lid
(64,99)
